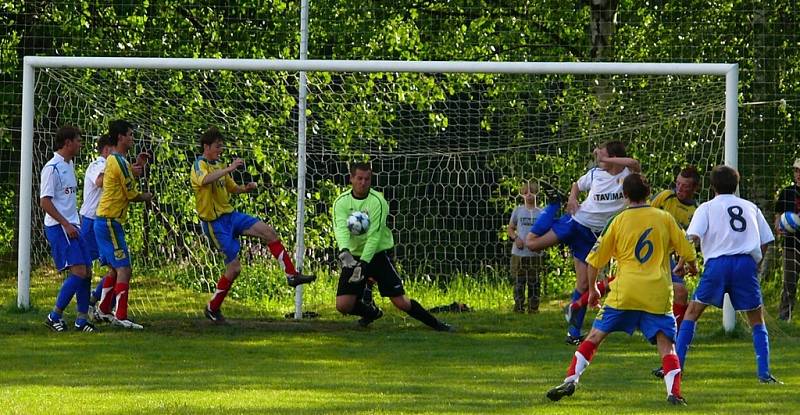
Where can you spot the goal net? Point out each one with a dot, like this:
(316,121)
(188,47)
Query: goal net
(449,151)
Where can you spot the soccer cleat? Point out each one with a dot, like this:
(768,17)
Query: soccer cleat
(659,372)
(442,326)
(552,194)
(560,391)
(215,316)
(297,279)
(366,321)
(127,324)
(676,400)
(86,327)
(573,340)
(55,325)
(100,317)
(770,379)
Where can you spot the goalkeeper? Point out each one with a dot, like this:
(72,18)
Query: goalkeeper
(367,256)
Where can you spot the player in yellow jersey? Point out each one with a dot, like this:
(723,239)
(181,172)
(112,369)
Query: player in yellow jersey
(119,189)
(680,203)
(213,185)
(641,239)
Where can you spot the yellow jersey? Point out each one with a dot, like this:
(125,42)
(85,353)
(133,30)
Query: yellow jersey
(641,239)
(119,188)
(681,211)
(213,199)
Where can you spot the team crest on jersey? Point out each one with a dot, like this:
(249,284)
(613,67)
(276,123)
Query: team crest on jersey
(119,254)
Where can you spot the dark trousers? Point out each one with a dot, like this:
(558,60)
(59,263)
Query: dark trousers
(526,273)
(791,256)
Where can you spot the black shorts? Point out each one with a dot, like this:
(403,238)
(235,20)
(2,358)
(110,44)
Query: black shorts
(381,270)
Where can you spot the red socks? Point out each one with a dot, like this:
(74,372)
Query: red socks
(121,289)
(107,295)
(583,356)
(223,285)
(672,374)
(679,310)
(284,259)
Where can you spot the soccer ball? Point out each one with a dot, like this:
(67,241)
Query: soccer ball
(358,223)
(790,221)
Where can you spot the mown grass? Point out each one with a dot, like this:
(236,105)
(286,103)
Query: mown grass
(496,363)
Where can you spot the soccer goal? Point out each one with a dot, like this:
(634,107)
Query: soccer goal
(450,143)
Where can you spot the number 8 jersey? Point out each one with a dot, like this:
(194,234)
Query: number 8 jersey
(730,225)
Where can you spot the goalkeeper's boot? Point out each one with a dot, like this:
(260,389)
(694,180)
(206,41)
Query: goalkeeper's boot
(126,324)
(215,316)
(297,279)
(55,325)
(659,372)
(366,321)
(85,326)
(676,400)
(574,340)
(770,379)
(442,326)
(551,193)
(560,391)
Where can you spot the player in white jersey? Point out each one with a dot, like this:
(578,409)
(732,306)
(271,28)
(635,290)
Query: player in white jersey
(57,197)
(579,227)
(733,235)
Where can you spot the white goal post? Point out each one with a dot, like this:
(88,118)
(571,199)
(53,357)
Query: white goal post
(32,63)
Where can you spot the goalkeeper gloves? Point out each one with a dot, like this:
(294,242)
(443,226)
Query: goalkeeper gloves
(347,260)
(358,272)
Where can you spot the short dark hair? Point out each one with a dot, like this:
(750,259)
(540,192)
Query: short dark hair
(360,166)
(690,172)
(724,179)
(117,127)
(635,187)
(211,135)
(65,133)
(102,141)
(615,148)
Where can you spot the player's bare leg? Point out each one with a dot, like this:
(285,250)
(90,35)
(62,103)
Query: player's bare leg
(267,234)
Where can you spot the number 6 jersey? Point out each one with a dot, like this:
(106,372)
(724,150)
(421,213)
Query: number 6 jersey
(641,238)
(730,225)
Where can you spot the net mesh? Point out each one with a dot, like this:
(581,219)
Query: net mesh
(449,152)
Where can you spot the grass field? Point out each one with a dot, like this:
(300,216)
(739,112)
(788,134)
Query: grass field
(496,363)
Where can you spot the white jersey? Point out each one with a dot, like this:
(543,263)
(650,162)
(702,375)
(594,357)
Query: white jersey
(92,192)
(730,225)
(605,197)
(60,185)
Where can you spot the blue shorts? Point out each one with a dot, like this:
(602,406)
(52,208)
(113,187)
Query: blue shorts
(225,230)
(87,233)
(676,279)
(111,243)
(736,275)
(66,252)
(610,320)
(579,238)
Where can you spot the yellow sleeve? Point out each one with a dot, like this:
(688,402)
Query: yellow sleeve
(658,200)
(230,184)
(679,243)
(131,185)
(603,249)
(199,172)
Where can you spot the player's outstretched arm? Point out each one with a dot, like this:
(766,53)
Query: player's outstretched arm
(631,163)
(216,174)
(572,200)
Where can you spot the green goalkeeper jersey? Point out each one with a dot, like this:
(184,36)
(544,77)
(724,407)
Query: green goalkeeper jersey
(378,237)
